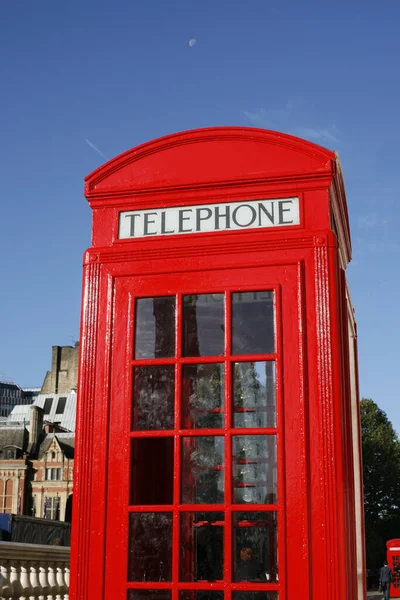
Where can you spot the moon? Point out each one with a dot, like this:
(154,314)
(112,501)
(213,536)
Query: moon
(192,42)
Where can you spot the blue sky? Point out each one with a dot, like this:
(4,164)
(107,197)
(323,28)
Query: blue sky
(115,74)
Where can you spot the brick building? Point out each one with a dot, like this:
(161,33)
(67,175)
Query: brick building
(13,469)
(37,442)
(36,467)
(52,481)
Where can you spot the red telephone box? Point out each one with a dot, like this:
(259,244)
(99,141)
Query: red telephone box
(218,451)
(393,559)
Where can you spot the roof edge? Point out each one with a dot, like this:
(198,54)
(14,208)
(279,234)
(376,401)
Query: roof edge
(205,134)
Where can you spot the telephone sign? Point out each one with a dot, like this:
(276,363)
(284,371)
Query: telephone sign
(209,217)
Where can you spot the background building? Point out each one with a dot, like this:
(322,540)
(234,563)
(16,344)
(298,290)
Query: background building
(10,395)
(30,394)
(63,376)
(52,481)
(37,439)
(13,469)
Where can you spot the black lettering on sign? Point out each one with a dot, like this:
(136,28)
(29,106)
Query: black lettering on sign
(163,229)
(147,222)
(253,216)
(199,218)
(282,210)
(223,216)
(226,215)
(132,226)
(183,218)
(269,215)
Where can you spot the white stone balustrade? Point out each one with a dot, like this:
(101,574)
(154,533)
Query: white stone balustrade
(33,572)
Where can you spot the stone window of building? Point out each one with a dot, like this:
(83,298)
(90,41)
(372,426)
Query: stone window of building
(52,508)
(10,453)
(53,474)
(6,496)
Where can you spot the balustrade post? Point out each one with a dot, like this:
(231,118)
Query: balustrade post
(51,574)
(58,576)
(24,579)
(44,583)
(66,577)
(5,579)
(16,587)
(62,586)
(34,581)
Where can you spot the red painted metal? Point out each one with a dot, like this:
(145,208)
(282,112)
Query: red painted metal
(320,548)
(393,559)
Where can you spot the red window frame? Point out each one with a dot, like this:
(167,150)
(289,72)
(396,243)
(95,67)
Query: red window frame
(121,435)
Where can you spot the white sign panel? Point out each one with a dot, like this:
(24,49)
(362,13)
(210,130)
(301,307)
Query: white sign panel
(251,214)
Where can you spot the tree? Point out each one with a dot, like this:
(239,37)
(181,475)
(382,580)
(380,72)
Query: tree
(381,473)
(381,463)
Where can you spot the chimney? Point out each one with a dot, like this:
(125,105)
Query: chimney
(36,425)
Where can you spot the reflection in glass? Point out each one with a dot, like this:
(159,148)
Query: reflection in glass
(203,396)
(202,546)
(255,539)
(254,595)
(202,470)
(155,327)
(254,469)
(149,595)
(150,547)
(152,470)
(153,397)
(201,595)
(203,325)
(253,323)
(254,394)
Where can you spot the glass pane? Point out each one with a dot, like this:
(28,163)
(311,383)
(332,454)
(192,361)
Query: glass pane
(203,396)
(255,542)
(152,470)
(150,547)
(201,595)
(202,546)
(202,470)
(254,469)
(203,325)
(149,595)
(153,397)
(396,571)
(253,323)
(254,595)
(155,327)
(254,394)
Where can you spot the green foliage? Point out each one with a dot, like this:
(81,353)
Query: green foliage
(381,473)
(381,462)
